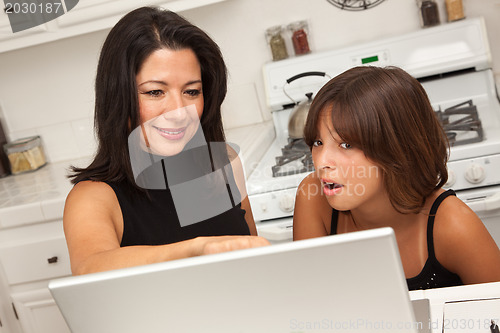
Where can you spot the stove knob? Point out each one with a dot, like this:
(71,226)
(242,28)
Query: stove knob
(452,178)
(263,207)
(287,203)
(475,173)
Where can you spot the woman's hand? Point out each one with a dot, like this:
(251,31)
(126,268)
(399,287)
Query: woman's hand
(217,244)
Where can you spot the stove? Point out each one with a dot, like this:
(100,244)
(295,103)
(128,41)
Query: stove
(294,150)
(453,63)
(461,120)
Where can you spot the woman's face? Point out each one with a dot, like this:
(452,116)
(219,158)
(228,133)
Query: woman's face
(170,99)
(348,178)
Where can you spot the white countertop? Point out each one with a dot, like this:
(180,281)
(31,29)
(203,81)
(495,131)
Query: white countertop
(35,196)
(254,140)
(39,196)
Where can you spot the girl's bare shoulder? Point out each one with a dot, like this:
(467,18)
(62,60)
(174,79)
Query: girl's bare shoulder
(463,244)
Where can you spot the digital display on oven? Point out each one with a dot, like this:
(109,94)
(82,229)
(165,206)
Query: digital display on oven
(368,60)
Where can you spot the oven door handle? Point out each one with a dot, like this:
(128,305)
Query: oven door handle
(486,204)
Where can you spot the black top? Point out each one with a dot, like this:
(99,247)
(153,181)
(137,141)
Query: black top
(151,217)
(433,275)
(154,221)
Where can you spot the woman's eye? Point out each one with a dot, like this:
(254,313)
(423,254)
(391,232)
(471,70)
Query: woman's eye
(193,92)
(154,93)
(345,145)
(317,143)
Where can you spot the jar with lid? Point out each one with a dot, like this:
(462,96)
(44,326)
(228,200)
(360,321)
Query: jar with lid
(455,10)
(299,31)
(25,154)
(429,13)
(276,43)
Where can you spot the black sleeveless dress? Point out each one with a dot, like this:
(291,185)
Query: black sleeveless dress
(433,274)
(151,218)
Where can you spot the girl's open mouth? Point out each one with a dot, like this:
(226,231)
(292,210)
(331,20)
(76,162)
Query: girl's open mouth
(331,188)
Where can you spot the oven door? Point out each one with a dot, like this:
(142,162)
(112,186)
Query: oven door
(485,202)
(276,231)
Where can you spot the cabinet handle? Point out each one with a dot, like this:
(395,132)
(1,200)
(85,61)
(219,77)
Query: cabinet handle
(52,260)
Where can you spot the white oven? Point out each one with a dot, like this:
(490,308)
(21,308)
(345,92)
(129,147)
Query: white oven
(453,63)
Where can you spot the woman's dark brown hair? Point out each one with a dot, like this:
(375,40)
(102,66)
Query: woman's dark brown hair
(386,113)
(136,36)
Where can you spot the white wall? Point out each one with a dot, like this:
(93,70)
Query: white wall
(48,89)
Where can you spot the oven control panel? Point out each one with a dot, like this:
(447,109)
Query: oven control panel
(272,205)
(474,172)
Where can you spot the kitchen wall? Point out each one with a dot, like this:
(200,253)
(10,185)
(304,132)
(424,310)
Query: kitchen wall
(48,89)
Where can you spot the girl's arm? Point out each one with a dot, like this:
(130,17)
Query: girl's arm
(93,227)
(311,217)
(463,244)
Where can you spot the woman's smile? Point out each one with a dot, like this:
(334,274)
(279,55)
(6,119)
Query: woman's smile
(171,133)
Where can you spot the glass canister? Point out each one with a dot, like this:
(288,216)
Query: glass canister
(429,13)
(25,154)
(299,31)
(276,43)
(455,10)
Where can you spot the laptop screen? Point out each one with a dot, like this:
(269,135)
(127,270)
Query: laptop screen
(350,282)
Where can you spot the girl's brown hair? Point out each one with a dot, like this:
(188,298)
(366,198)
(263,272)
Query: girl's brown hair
(386,113)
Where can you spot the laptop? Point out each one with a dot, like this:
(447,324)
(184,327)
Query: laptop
(349,282)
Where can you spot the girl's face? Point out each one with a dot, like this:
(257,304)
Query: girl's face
(348,178)
(170,99)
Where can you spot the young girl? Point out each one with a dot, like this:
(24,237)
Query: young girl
(380,158)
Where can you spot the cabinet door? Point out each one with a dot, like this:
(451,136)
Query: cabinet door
(8,320)
(43,259)
(38,312)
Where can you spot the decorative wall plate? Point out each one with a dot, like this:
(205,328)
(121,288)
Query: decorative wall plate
(355,5)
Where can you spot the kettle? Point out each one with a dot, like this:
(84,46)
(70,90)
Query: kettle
(298,117)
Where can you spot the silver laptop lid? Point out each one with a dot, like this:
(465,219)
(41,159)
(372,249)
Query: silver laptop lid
(350,282)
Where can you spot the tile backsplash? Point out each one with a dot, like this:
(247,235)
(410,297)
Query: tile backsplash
(63,141)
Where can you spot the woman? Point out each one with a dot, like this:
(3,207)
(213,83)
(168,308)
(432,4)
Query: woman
(154,65)
(380,158)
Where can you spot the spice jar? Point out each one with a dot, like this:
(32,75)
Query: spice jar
(25,154)
(455,10)
(277,43)
(429,13)
(299,31)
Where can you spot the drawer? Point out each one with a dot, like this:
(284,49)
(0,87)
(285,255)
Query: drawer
(41,260)
(471,316)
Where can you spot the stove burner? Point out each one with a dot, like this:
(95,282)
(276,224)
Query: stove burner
(295,150)
(465,120)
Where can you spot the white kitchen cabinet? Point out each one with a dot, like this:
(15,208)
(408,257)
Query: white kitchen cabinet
(38,312)
(8,320)
(87,16)
(30,256)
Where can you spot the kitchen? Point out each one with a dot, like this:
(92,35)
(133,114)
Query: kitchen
(43,93)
